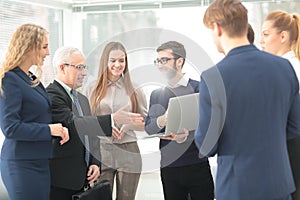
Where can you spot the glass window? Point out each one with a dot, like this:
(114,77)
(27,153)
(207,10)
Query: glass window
(13,14)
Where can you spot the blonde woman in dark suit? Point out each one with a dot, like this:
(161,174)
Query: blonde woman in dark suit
(25,117)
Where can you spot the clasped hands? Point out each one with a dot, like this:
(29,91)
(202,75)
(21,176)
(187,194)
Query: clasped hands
(59,131)
(126,118)
(117,133)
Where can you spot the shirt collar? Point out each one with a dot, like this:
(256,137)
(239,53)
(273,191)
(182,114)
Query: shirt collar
(288,55)
(67,88)
(182,82)
(119,83)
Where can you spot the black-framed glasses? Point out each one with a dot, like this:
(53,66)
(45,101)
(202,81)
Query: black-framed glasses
(80,67)
(163,60)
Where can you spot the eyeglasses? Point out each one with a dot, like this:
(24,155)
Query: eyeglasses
(163,60)
(80,67)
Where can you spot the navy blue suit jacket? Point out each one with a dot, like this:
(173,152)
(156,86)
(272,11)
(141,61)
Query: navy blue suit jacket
(259,104)
(24,117)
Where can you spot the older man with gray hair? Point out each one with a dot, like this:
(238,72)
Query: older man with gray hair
(71,167)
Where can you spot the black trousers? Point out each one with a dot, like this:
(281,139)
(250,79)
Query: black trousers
(57,193)
(193,182)
(294,155)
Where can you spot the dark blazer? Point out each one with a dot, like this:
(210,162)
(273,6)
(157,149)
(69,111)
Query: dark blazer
(68,166)
(261,110)
(24,117)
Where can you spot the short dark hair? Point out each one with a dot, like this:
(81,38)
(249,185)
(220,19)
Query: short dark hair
(250,34)
(177,48)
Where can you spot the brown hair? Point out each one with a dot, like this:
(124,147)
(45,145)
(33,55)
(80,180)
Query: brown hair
(250,34)
(27,37)
(177,48)
(231,15)
(100,88)
(284,21)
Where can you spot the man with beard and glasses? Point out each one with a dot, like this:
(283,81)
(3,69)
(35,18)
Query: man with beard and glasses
(183,173)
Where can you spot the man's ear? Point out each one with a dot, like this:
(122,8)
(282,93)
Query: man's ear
(62,68)
(179,62)
(217,29)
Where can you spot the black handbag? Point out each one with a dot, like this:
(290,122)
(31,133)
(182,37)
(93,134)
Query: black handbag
(99,191)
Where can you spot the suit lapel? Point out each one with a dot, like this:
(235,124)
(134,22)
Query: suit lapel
(39,88)
(62,89)
(67,96)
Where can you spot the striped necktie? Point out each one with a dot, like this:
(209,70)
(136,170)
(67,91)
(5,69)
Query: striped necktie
(86,138)
(76,102)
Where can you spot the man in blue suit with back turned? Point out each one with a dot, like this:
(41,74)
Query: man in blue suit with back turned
(249,108)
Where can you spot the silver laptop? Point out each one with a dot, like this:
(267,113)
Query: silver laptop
(183,112)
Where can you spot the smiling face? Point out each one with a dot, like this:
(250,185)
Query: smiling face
(116,64)
(37,56)
(45,49)
(72,76)
(167,63)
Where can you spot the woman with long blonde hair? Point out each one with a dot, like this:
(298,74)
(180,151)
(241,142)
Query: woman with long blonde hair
(112,90)
(281,36)
(25,117)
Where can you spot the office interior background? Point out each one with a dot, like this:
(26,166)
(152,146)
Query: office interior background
(141,25)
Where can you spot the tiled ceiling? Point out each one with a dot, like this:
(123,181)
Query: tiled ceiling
(125,5)
(121,5)
(121,1)
(114,5)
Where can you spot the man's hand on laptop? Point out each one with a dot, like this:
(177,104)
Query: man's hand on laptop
(162,120)
(179,137)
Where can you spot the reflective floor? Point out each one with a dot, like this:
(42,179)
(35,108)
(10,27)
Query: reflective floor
(150,187)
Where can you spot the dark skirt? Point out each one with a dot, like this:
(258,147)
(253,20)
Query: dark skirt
(26,179)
